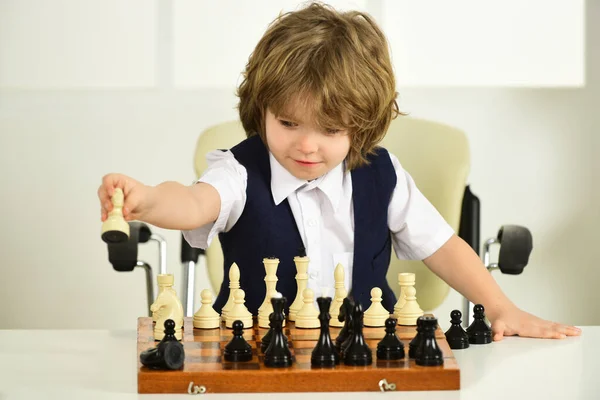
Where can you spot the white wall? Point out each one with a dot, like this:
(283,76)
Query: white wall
(534,163)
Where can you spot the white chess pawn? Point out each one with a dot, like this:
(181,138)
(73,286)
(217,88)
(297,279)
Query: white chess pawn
(206,317)
(308,316)
(115,229)
(376,314)
(405,279)
(234,284)
(411,311)
(239,311)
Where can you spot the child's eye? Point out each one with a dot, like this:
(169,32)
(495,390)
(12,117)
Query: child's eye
(287,124)
(332,131)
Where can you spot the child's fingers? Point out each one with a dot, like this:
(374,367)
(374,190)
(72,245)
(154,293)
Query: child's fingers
(498,329)
(572,331)
(113,181)
(131,205)
(108,183)
(566,330)
(543,330)
(132,195)
(105,203)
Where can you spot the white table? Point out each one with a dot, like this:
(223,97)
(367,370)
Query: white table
(96,364)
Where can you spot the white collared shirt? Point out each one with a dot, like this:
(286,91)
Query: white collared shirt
(324,215)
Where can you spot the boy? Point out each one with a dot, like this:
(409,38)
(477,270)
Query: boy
(318,95)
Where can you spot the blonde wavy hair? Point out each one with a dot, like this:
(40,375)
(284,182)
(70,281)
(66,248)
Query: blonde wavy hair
(338,62)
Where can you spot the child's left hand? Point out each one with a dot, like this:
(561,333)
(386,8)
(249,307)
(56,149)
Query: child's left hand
(518,322)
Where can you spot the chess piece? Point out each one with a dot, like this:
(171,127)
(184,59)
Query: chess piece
(336,307)
(345,316)
(167,306)
(266,340)
(168,354)
(324,354)
(301,282)
(271,264)
(376,314)
(456,336)
(340,295)
(415,343)
(479,331)
(165,282)
(278,354)
(238,350)
(429,354)
(405,279)
(308,316)
(410,311)
(239,311)
(234,284)
(115,229)
(206,317)
(358,352)
(390,347)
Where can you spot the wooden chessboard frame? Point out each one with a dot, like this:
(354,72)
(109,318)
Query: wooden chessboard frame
(205,368)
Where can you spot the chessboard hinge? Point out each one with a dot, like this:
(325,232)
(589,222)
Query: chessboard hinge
(194,389)
(384,386)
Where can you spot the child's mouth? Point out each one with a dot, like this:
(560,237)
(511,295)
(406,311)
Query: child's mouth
(306,163)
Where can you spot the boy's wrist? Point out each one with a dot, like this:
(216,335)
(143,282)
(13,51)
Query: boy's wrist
(497,309)
(150,196)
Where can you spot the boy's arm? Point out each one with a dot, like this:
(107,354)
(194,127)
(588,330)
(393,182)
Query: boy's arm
(180,207)
(459,266)
(169,205)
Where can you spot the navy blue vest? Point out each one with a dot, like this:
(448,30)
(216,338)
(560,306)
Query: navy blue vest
(266,230)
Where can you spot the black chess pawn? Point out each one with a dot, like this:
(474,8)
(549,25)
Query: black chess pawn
(168,354)
(238,350)
(429,353)
(456,336)
(390,347)
(324,354)
(479,331)
(415,343)
(344,316)
(278,353)
(358,352)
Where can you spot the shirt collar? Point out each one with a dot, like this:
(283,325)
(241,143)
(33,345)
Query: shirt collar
(283,183)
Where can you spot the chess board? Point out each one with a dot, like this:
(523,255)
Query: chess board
(206,371)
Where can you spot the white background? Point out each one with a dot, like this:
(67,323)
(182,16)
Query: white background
(90,87)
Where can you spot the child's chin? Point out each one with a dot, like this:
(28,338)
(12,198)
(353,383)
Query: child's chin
(306,176)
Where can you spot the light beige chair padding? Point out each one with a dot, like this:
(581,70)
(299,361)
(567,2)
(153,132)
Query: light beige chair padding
(434,154)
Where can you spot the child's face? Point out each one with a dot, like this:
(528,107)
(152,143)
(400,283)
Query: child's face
(303,149)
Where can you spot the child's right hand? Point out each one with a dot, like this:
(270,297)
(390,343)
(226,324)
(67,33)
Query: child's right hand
(136,196)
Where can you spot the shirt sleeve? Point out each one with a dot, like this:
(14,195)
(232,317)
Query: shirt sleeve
(418,229)
(229,178)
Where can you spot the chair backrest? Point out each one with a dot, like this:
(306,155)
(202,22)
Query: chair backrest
(434,154)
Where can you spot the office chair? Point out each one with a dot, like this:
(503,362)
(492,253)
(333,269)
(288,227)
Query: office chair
(437,157)
(124,255)
(124,258)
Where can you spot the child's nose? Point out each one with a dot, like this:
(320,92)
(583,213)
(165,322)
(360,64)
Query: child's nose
(307,143)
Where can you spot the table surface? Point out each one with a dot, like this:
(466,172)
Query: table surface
(102,364)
